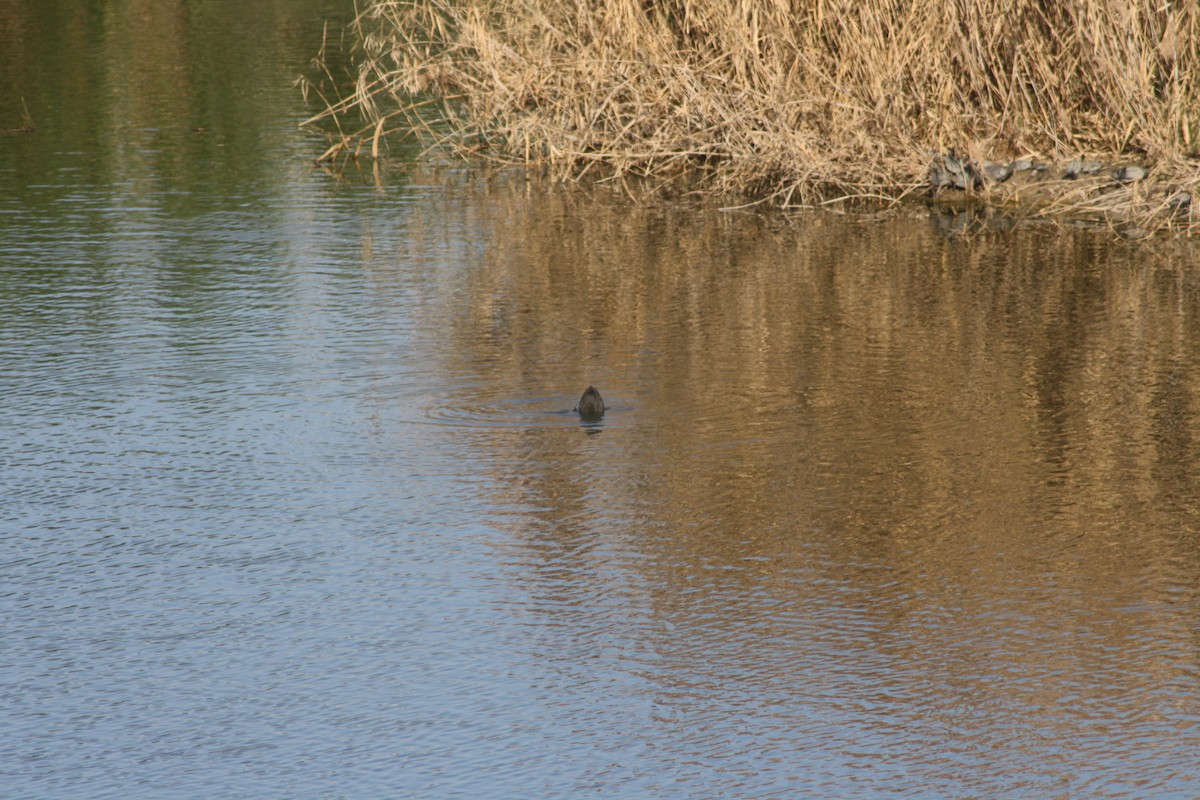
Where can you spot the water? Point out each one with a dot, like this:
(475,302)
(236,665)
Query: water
(294,504)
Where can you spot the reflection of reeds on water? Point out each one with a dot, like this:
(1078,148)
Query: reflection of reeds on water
(799,102)
(833,384)
(27,125)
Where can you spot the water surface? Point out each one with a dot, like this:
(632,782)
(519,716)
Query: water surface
(294,505)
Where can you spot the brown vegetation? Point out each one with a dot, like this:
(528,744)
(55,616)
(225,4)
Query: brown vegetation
(798,102)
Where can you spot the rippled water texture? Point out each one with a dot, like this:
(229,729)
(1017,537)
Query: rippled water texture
(294,503)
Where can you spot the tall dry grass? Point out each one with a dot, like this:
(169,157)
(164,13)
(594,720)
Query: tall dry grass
(792,101)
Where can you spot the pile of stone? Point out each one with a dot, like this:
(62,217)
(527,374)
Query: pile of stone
(953,171)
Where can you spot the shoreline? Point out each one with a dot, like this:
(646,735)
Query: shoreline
(788,105)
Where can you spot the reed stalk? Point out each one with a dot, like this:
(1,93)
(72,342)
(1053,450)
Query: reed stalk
(798,102)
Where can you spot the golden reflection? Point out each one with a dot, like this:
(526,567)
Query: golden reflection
(946,429)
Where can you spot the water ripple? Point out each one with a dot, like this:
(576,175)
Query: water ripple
(295,503)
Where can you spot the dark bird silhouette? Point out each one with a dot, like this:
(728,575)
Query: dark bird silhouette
(591,404)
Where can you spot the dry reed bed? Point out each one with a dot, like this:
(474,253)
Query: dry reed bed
(798,102)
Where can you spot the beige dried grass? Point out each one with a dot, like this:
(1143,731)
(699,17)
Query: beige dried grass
(795,102)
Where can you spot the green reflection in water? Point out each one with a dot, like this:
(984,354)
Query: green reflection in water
(174,105)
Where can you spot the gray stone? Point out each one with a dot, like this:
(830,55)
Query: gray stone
(997,172)
(1129,174)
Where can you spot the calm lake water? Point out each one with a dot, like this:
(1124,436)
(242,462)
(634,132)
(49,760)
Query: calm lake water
(293,503)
